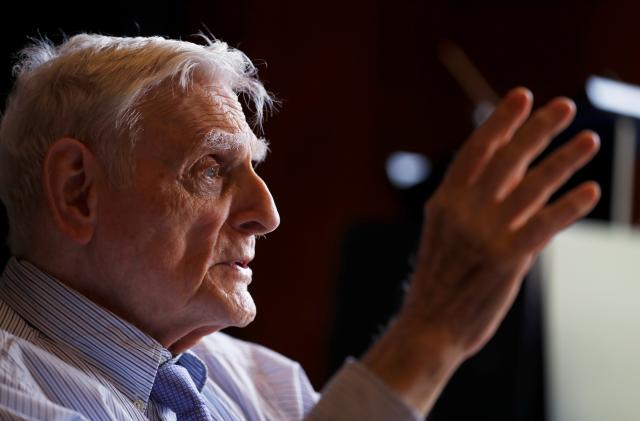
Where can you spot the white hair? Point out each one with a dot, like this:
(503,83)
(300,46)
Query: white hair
(88,88)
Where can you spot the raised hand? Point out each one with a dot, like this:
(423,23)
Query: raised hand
(484,227)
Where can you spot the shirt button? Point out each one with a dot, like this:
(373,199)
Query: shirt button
(139,404)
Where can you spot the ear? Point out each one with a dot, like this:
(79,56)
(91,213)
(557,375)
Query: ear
(69,181)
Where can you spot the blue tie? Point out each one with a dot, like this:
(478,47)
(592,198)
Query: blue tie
(174,388)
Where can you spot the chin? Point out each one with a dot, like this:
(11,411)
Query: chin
(241,310)
(247,313)
(230,302)
(245,321)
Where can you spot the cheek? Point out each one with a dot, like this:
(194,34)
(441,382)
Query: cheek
(194,240)
(164,236)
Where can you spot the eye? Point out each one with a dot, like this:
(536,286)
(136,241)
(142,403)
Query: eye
(212,172)
(208,168)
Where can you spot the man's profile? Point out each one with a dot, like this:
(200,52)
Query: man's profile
(127,172)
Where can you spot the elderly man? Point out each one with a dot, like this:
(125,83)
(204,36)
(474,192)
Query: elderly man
(127,172)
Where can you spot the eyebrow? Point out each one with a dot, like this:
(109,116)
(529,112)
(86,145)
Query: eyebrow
(221,140)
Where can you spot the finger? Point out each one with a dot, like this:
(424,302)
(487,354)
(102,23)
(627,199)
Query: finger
(538,186)
(509,165)
(498,129)
(539,230)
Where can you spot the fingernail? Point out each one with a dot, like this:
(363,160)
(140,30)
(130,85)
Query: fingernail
(565,103)
(592,190)
(518,97)
(595,137)
(520,91)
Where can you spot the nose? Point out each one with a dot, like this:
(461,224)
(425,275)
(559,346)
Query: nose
(255,211)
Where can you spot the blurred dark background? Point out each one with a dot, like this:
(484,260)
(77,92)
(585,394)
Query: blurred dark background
(359,80)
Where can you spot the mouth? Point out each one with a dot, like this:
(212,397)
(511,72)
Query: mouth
(243,264)
(236,263)
(238,267)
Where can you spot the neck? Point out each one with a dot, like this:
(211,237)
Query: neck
(189,340)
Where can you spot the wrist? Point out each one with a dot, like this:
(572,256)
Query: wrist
(415,359)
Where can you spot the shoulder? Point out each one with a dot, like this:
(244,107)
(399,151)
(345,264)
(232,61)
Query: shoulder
(27,366)
(22,392)
(43,381)
(14,361)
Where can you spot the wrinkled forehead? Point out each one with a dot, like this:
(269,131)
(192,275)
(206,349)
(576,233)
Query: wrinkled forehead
(209,115)
(221,106)
(230,129)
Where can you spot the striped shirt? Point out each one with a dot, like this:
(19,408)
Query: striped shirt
(64,357)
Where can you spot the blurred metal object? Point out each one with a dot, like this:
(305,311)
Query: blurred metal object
(622,99)
(623,171)
(470,80)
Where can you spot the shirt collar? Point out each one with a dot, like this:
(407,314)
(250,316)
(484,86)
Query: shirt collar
(125,355)
(196,368)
